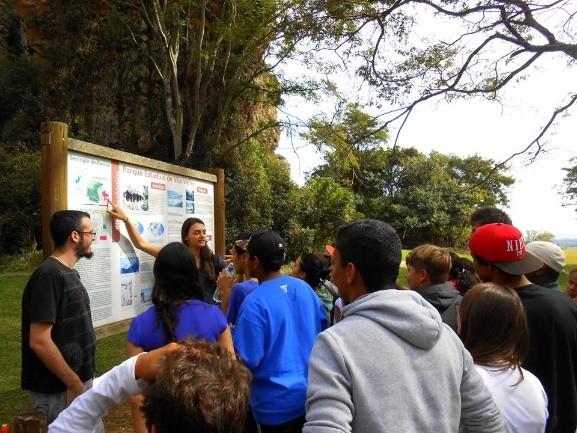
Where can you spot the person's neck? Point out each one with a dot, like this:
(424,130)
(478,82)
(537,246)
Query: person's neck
(67,257)
(196,253)
(514,281)
(268,276)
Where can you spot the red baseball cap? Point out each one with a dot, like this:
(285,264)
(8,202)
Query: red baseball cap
(503,246)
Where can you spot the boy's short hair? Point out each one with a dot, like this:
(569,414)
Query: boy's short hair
(489,215)
(374,247)
(433,259)
(201,388)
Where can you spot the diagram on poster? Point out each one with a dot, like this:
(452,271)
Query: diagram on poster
(119,277)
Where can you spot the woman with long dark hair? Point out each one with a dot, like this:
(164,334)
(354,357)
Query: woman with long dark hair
(493,327)
(178,311)
(193,235)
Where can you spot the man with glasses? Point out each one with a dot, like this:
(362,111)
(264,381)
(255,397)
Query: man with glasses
(58,340)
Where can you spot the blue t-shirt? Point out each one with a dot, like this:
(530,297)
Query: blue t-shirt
(195,319)
(239,292)
(275,333)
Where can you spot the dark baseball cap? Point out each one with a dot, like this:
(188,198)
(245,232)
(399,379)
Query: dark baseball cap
(269,248)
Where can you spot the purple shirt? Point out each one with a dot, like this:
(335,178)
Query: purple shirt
(195,319)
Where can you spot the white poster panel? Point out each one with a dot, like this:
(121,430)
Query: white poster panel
(119,277)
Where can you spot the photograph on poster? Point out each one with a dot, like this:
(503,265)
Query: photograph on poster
(139,227)
(135,198)
(145,295)
(155,229)
(126,294)
(129,264)
(174,198)
(189,207)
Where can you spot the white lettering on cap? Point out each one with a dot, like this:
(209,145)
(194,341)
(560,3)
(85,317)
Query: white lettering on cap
(516,245)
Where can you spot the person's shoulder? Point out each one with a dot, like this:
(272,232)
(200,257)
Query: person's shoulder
(531,379)
(246,286)
(49,270)
(545,298)
(146,317)
(295,282)
(50,266)
(217,261)
(197,304)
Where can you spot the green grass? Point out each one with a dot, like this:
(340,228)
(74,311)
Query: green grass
(571,263)
(109,351)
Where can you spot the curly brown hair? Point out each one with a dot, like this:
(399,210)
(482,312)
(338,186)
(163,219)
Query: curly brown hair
(199,388)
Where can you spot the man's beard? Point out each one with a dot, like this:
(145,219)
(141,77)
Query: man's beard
(82,251)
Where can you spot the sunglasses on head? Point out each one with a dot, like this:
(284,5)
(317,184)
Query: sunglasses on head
(241,244)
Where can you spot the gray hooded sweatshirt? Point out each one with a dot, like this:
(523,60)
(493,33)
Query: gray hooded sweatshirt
(392,366)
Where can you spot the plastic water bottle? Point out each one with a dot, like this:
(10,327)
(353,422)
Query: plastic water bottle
(216,297)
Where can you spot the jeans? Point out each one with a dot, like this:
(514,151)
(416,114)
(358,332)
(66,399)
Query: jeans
(51,405)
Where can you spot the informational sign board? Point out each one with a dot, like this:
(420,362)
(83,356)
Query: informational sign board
(156,196)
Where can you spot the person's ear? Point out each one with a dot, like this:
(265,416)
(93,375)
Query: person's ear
(423,276)
(351,273)
(254,263)
(74,236)
(542,270)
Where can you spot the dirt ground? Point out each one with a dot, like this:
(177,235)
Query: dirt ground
(118,419)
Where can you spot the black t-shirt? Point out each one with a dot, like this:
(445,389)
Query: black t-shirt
(552,319)
(55,294)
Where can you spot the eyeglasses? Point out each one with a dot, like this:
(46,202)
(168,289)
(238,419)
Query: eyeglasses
(92,233)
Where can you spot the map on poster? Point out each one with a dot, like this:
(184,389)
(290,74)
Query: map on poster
(119,277)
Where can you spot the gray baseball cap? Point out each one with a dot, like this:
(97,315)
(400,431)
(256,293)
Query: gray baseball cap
(547,253)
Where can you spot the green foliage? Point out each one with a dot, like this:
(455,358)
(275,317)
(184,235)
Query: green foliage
(259,192)
(427,198)
(345,139)
(19,199)
(19,100)
(325,205)
(570,182)
(536,235)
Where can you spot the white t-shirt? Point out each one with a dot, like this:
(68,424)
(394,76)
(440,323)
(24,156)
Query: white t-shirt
(523,406)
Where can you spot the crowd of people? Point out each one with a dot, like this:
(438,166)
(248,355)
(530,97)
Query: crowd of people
(481,345)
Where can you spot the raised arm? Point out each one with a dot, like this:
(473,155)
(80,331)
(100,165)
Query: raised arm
(225,340)
(224,283)
(84,413)
(138,422)
(136,238)
(113,387)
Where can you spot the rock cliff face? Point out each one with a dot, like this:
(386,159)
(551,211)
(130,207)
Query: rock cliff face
(13,38)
